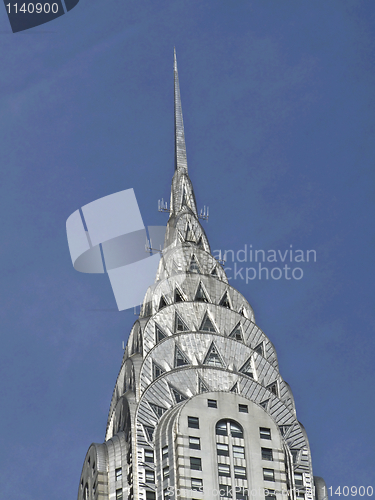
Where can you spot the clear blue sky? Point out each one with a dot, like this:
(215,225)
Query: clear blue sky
(278,103)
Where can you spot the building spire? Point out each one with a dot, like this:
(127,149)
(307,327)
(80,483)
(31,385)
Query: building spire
(180,147)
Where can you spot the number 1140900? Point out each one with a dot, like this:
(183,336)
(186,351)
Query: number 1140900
(30,8)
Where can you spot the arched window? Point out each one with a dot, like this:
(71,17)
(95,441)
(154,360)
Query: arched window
(228,427)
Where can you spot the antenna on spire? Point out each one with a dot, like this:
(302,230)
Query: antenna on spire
(204,214)
(163,206)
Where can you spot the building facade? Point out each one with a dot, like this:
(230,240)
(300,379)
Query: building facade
(199,409)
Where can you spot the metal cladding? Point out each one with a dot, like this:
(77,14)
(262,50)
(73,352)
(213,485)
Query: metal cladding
(180,147)
(199,409)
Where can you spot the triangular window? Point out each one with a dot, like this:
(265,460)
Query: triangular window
(159,334)
(214,272)
(149,432)
(200,243)
(202,386)
(178,396)
(212,357)
(162,302)
(178,296)
(207,325)
(259,349)
(201,296)
(179,325)
(194,267)
(247,369)
(264,404)
(273,388)
(189,234)
(156,370)
(158,410)
(235,388)
(224,302)
(180,359)
(295,454)
(237,333)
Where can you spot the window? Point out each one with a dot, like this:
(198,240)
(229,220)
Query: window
(247,369)
(159,334)
(298,479)
(273,388)
(193,422)
(243,409)
(202,387)
(265,433)
(162,303)
(294,455)
(224,302)
(158,410)
(214,272)
(196,484)
(239,472)
(238,452)
(194,267)
(221,428)
(207,325)
(225,491)
(165,472)
(236,430)
(268,475)
(149,432)
(177,395)
(236,333)
(119,494)
(194,443)
(222,449)
(243,495)
(118,474)
(150,495)
(213,358)
(224,470)
(178,296)
(180,359)
(164,452)
(269,494)
(195,463)
(212,403)
(259,349)
(179,325)
(156,370)
(150,476)
(200,296)
(267,454)
(149,456)
(300,496)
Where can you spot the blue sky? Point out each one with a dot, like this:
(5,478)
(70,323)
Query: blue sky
(278,103)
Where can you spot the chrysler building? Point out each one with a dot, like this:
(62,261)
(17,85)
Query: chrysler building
(199,409)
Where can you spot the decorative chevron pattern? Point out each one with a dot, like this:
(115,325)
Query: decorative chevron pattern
(196,338)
